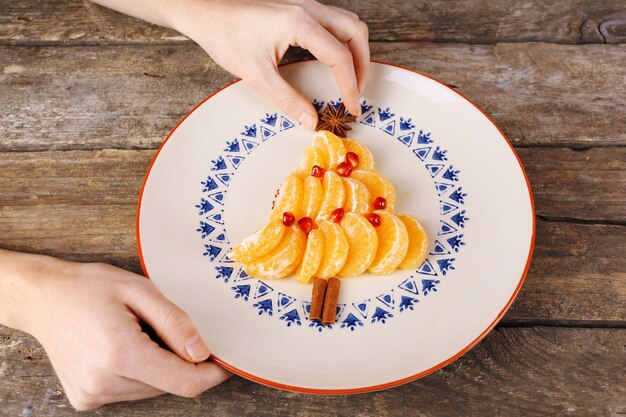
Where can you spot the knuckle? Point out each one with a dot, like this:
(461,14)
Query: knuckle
(296,14)
(352,14)
(362,29)
(190,390)
(175,318)
(286,104)
(93,385)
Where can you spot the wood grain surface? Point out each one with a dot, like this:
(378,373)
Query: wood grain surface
(538,371)
(89,94)
(471,21)
(130,96)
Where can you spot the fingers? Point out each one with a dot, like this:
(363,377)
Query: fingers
(116,389)
(170,322)
(329,50)
(347,28)
(167,372)
(272,85)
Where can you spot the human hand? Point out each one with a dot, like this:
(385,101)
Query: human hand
(248,39)
(87,318)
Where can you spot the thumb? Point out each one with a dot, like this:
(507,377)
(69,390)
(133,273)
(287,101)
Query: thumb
(172,324)
(271,84)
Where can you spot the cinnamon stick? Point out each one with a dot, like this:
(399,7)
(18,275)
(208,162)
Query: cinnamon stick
(329,315)
(317,298)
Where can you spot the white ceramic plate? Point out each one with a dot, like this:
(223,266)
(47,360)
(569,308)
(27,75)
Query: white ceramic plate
(212,183)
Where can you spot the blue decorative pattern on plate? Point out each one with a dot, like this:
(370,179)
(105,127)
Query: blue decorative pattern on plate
(398,299)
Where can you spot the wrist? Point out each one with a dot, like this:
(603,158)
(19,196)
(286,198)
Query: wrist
(21,288)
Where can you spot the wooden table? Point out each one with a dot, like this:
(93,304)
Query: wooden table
(88,95)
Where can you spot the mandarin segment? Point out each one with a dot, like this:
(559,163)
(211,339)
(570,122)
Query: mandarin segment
(334,195)
(283,259)
(418,241)
(335,250)
(362,243)
(289,197)
(378,186)
(259,243)
(393,242)
(312,258)
(312,156)
(312,197)
(366,160)
(331,146)
(357,196)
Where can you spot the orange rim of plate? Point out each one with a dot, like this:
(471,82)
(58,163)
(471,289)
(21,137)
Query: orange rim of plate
(387,384)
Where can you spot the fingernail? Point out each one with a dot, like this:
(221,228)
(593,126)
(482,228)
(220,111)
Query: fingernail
(197,349)
(307,120)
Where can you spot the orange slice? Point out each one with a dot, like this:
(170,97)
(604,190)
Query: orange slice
(335,250)
(358,197)
(418,240)
(393,243)
(289,198)
(362,242)
(378,186)
(312,156)
(366,160)
(283,259)
(312,256)
(259,243)
(312,197)
(334,195)
(331,146)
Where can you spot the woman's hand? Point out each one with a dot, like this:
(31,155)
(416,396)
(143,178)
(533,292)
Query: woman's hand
(87,317)
(249,37)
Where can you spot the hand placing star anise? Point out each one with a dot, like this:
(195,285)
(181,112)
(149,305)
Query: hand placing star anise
(335,120)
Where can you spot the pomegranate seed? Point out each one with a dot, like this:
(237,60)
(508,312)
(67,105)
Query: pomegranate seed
(337,215)
(379,203)
(306,224)
(374,219)
(352,159)
(344,169)
(288,218)
(317,171)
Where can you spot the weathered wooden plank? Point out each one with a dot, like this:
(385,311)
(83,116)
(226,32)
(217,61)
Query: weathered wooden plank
(473,21)
(588,185)
(512,372)
(131,96)
(578,273)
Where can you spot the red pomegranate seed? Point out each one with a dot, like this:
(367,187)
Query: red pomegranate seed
(352,159)
(317,171)
(337,215)
(374,219)
(379,203)
(306,224)
(288,218)
(344,169)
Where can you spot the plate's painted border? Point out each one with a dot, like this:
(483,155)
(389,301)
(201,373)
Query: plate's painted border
(388,384)
(377,309)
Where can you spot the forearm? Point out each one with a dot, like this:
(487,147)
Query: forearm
(160,12)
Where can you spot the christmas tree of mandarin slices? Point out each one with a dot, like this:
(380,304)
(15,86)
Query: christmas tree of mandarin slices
(333,217)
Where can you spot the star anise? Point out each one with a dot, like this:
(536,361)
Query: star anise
(335,120)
